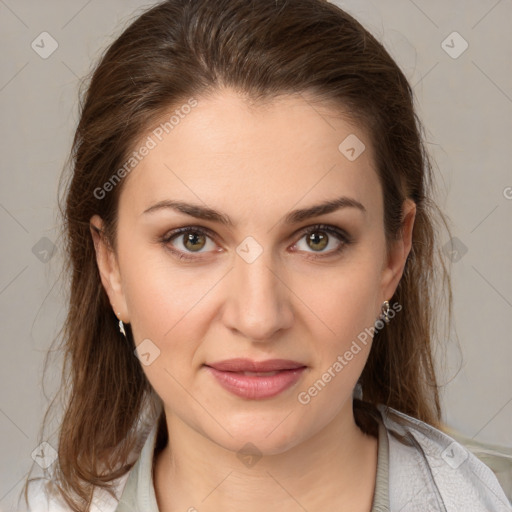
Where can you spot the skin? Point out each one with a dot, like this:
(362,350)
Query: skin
(255,163)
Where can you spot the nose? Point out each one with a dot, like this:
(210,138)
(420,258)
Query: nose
(257,304)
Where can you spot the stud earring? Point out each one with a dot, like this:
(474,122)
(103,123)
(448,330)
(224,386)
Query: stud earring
(385,311)
(358,391)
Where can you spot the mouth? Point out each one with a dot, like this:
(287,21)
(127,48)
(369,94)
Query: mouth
(256,380)
(261,374)
(251,366)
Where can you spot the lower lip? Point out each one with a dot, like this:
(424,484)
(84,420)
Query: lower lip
(256,387)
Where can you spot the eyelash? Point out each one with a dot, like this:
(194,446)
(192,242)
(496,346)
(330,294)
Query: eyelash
(331,230)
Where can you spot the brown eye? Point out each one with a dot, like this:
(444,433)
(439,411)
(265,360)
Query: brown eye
(189,240)
(317,240)
(194,241)
(319,237)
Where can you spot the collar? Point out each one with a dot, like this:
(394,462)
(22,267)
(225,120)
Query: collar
(139,492)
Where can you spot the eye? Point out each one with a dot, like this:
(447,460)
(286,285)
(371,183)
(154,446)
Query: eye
(192,239)
(320,236)
(186,241)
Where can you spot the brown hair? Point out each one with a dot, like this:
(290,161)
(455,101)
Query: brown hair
(262,48)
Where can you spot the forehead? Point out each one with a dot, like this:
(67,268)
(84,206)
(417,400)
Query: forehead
(264,157)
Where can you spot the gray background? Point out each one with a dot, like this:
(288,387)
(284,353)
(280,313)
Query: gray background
(464,102)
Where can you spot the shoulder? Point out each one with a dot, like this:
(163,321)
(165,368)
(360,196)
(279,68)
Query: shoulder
(429,468)
(41,499)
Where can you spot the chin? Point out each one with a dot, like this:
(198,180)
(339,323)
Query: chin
(272,437)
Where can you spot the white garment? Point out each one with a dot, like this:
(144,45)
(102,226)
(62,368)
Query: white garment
(428,471)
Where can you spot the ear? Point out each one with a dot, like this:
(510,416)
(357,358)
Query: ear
(399,250)
(109,269)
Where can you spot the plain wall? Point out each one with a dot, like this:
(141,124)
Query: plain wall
(464,102)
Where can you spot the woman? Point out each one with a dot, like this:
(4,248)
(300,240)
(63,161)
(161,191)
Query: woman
(253,256)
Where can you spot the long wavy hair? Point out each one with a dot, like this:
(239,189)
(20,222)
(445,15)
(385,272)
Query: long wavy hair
(180,49)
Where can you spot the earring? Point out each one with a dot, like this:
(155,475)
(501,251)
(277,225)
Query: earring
(358,391)
(121,326)
(385,311)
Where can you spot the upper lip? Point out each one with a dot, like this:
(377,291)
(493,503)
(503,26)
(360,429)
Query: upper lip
(248,365)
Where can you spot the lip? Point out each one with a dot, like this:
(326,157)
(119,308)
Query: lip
(248,365)
(230,375)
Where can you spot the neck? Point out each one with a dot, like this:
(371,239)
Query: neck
(334,469)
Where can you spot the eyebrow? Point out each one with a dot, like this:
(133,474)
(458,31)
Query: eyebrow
(294,217)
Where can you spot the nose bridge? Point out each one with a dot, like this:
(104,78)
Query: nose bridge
(258,298)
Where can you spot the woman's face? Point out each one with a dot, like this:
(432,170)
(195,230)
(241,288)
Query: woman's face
(257,286)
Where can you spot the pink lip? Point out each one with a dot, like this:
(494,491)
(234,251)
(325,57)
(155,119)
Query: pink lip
(256,387)
(248,365)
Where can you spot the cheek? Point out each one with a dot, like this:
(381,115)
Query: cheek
(344,301)
(342,341)
(165,307)
(342,330)
(160,295)
(169,306)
